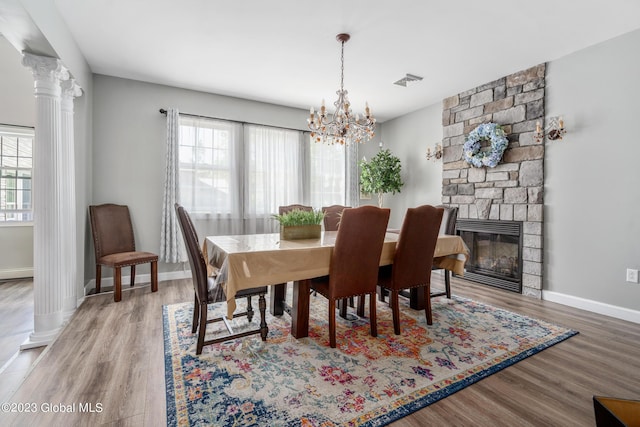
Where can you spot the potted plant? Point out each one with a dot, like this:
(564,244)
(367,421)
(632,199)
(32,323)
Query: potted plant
(381,175)
(298,224)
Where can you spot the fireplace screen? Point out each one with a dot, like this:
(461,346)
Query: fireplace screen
(495,252)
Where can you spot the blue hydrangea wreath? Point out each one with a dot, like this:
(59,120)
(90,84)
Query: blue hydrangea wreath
(491,132)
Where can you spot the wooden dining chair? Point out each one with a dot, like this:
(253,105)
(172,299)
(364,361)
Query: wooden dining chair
(203,286)
(447,227)
(413,258)
(332,216)
(353,269)
(115,246)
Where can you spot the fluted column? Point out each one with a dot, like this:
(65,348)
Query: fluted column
(48,247)
(67,185)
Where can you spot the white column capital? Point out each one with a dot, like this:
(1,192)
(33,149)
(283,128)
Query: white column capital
(70,89)
(45,68)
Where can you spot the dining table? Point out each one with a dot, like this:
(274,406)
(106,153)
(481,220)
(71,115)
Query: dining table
(252,260)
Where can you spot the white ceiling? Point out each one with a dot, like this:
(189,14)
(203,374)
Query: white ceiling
(285,52)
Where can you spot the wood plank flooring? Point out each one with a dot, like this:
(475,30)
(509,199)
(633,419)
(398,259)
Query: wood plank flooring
(112,354)
(16,323)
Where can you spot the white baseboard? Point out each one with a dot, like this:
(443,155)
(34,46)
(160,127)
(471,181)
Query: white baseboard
(140,278)
(16,273)
(593,306)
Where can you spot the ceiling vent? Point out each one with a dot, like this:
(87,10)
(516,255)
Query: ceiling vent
(407,80)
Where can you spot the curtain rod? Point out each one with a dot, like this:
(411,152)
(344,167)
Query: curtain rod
(163,111)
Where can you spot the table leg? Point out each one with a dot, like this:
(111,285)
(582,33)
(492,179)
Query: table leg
(300,309)
(278,293)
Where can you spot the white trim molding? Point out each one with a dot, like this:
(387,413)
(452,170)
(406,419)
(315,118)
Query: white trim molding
(622,313)
(16,273)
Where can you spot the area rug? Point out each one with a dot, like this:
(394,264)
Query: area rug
(366,381)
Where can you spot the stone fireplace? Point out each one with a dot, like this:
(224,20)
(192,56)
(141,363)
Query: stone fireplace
(513,190)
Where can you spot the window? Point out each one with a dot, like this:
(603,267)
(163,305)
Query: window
(241,173)
(327,172)
(16,167)
(208,157)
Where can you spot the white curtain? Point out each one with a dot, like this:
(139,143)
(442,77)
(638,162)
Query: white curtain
(352,177)
(327,168)
(171,242)
(273,174)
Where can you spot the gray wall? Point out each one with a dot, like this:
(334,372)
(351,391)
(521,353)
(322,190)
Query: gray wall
(592,193)
(408,138)
(130,143)
(592,176)
(17,107)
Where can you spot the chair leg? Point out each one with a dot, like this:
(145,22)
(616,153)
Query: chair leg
(395,309)
(154,276)
(361,305)
(332,323)
(427,303)
(351,303)
(372,314)
(342,307)
(382,293)
(203,327)
(117,285)
(262,305)
(133,275)
(98,277)
(447,283)
(196,314)
(249,309)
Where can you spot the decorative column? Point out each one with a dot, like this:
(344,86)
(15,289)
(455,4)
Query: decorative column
(67,185)
(48,256)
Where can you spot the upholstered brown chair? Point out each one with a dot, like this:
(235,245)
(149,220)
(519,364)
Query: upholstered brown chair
(203,286)
(413,258)
(332,215)
(354,262)
(448,226)
(115,246)
(286,209)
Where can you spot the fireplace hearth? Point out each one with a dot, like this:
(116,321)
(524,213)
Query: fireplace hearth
(495,252)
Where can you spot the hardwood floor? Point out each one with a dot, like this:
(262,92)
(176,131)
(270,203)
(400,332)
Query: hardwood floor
(16,320)
(112,354)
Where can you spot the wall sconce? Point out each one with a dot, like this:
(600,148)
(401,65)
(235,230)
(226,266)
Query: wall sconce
(436,154)
(555,129)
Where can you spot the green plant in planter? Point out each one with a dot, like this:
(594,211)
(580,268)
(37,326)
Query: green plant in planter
(381,175)
(299,217)
(298,224)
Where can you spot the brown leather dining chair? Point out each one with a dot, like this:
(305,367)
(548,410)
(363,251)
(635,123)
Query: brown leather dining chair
(203,286)
(447,227)
(332,216)
(413,258)
(115,246)
(353,268)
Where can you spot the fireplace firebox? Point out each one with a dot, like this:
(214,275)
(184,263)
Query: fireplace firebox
(495,248)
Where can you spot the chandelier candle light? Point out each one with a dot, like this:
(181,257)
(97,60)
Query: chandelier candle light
(342,126)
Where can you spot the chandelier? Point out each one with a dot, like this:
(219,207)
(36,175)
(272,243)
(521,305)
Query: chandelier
(342,126)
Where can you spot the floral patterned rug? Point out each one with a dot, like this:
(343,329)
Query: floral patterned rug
(366,381)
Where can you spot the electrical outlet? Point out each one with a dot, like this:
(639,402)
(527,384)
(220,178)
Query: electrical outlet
(632,275)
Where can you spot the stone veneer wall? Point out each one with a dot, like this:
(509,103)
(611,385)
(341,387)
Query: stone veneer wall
(513,190)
